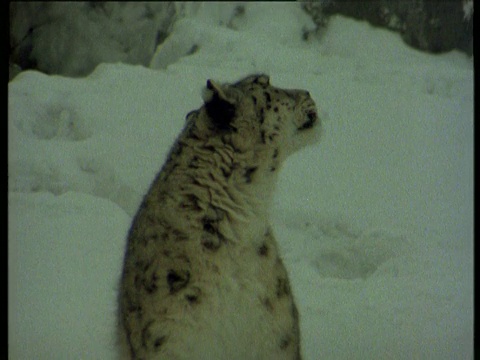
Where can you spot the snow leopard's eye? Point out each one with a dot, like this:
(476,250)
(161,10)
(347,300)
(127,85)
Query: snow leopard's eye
(311,120)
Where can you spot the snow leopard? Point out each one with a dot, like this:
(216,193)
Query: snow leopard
(202,276)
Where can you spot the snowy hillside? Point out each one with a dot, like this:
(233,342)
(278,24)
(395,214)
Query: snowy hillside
(375,222)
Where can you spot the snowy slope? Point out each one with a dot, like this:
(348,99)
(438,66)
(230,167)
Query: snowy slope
(375,222)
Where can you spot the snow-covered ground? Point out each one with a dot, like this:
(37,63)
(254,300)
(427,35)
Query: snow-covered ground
(375,222)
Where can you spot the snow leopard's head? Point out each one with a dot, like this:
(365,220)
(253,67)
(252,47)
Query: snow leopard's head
(254,115)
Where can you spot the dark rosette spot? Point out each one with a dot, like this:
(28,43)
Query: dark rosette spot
(177,280)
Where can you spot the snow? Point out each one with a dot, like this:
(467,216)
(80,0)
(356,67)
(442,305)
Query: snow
(375,223)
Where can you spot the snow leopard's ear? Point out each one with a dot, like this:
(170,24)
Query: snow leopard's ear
(220,104)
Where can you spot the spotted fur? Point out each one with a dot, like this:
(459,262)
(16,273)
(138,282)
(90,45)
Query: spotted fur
(202,275)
